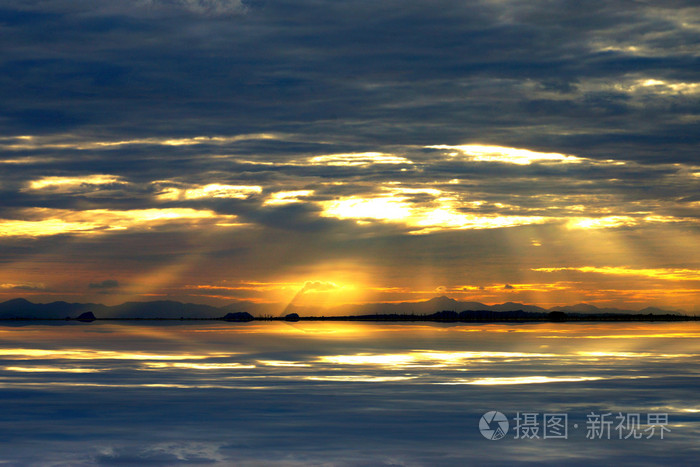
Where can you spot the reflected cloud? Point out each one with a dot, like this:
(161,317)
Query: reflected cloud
(284,363)
(427,359)
(523,380)
(199,366)
(90,354)
(359,378)
(51,369)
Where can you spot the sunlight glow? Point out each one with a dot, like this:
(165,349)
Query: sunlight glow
(287,197)
(355,207)
(665,87)
(439,212)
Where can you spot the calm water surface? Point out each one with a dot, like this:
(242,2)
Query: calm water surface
(346,394)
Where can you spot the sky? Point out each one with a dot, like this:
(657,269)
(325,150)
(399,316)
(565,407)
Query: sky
(325,152)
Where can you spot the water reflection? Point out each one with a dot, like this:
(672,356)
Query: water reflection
(258,393)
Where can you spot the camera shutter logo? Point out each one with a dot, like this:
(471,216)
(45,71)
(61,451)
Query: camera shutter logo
(493,425)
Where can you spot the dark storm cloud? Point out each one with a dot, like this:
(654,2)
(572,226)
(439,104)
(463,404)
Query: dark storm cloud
(367,72)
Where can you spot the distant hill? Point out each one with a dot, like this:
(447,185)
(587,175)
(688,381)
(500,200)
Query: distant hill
(20,308)
(585,308)
(162,309)
(23,309)
(448,304)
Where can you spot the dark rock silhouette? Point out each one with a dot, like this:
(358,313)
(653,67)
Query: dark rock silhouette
(445,315)
(87,316)
(558,316)
(239,316)
(292,317)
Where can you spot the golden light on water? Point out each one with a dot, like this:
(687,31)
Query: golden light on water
(428,359)
(199,366)
(224,356)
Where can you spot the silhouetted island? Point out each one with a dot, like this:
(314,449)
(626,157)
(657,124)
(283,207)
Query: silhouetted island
(87,316)
(240,316)
(24,310)
(486,316)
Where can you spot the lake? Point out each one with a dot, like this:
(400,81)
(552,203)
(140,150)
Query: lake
(349,394)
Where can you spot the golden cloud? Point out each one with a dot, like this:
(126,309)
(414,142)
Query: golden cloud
(675,274)
(483,153)
(46,222)
(73,184)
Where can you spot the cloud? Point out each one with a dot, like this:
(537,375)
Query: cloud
(674,274)
(481,153)
(105,284)
(160,454)
(47,222)
(212,190)
(28,286)
(508,287)
(75,184)
(202,7)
